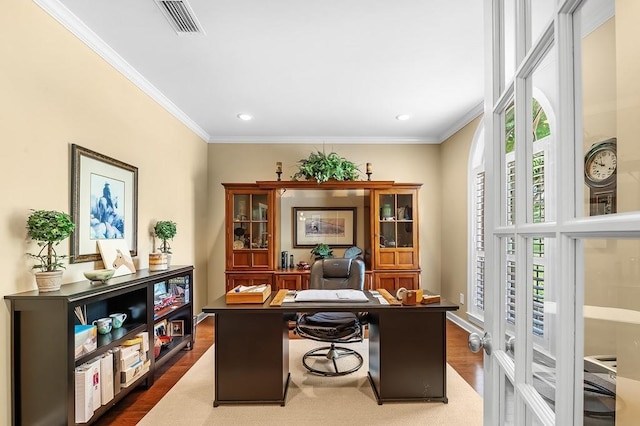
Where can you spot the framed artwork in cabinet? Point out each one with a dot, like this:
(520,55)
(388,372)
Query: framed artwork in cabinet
(335,226)
(177,328)
(104,203)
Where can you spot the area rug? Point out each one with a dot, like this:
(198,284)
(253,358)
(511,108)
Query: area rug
(312,400)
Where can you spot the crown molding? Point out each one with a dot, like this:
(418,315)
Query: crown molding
(463,121)
(60,13)
(354,140)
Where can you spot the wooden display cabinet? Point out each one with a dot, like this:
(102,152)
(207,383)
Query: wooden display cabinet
(394,224)
(43,338)
(390,241)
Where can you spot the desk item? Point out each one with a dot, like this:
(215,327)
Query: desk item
(341,295)
(250,294)
(279,297)
(428,299)
(388,297)
(409,298)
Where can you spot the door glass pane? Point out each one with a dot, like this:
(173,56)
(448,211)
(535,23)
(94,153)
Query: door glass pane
(259,207)
(607,75)
(541,138)
(543,325)
(510,284)
(510,163)
(404,218)
(507,415)
(611,332)
(241,207)
(509,39)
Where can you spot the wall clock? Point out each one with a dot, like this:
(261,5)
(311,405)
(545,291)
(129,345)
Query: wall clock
(600,175)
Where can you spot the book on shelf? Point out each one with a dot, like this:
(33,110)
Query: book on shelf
(134,372)
(83,394)
(106,378)
(116,370)
(94,370)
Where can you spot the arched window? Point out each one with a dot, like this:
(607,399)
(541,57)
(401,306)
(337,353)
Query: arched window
(541,138)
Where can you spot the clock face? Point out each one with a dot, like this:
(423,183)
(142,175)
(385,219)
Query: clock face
(601,165)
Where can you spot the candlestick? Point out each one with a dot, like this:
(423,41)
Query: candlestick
(279,168)
(369,168)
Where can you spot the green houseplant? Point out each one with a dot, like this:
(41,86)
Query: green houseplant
(48,228)
(322,251)
(322,167)
(165,230)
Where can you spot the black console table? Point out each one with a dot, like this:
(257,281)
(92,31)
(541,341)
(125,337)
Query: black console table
(43,340)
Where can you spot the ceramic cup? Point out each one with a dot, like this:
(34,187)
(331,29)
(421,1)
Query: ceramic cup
(118,319)
(103,324)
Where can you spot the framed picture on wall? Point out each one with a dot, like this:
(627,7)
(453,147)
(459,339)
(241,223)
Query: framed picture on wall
(104,203)
(335,226)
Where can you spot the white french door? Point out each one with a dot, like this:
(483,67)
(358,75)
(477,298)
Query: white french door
(562,293)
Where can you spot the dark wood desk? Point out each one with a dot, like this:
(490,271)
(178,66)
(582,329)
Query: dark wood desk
(407,350)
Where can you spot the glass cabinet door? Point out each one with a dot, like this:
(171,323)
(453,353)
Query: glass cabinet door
(396,229)
(250,227)
(395,220)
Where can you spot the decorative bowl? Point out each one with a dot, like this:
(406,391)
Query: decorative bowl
(101,275)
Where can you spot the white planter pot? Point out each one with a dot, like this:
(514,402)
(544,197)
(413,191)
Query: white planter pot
(158,262)
(49,281)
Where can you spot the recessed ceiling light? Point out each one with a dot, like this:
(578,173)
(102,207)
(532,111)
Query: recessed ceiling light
(245,117)
(403,117)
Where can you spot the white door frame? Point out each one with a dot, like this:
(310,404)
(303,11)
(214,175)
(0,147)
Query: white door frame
(569,227)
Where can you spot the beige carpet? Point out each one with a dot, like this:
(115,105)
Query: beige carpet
(312,400)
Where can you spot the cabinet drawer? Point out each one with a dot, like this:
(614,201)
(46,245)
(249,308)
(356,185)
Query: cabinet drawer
(392,281)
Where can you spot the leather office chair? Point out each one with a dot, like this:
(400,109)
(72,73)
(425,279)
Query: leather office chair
(333,327)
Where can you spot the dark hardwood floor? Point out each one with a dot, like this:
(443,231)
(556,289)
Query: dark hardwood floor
(134,406)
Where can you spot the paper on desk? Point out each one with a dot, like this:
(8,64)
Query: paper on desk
(379,297)
(290,297)
(341,295)
(251,288)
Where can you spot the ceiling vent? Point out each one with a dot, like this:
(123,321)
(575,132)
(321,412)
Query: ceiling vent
(180,16)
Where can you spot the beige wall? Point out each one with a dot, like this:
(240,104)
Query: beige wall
(56,91)
(455,171)
(253,162)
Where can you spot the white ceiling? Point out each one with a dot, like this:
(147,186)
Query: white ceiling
(306,70)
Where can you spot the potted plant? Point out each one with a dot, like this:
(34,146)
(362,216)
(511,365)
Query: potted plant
(48,228)
(165,230)
(322,251)
(322,167)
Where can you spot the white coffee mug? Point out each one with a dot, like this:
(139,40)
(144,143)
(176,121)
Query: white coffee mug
(118,319)
(104,325)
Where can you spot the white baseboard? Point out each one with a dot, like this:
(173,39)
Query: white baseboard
(201,316)
(465,325)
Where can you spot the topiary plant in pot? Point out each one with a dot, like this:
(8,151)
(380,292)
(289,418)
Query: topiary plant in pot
(48,228)
(165,230)
(322,167)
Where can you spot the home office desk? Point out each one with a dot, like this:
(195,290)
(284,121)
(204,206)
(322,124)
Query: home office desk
(407,350)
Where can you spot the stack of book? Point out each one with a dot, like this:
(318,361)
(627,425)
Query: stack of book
(97,381)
